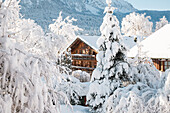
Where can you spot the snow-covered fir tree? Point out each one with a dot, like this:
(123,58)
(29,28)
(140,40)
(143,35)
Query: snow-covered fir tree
(131,25)
(112,69)
(163,21)
(65,59)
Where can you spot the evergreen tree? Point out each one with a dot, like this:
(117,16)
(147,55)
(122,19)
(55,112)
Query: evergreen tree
(112,69)
(65,61)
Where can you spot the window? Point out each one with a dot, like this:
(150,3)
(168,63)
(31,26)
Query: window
(90,64)
(94,53)
(84,52)
(80,51)
(166,65)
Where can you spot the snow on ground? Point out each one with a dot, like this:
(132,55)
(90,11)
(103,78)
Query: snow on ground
(76,109)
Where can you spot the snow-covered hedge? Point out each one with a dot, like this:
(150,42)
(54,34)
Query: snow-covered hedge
(73,88)
(81,75)
(140,98)
(148,74)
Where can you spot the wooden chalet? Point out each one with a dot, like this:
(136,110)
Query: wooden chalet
(84,50)
(157,47)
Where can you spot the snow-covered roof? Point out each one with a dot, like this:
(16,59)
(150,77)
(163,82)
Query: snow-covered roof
(90,40)
(156,45)
(129,42)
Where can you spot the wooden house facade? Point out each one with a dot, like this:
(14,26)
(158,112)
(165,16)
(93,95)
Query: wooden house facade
(84,51)
(157,47)
(161,64)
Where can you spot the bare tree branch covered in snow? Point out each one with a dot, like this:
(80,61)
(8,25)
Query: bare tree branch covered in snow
(136,24)
(65,29)
(163,21)
(26,80)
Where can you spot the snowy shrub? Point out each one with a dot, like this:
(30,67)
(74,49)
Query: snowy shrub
(113,70)
(26,81)
(81,75)
(140,98)
(144,70)
(73,88)
(131,25)
(130,99)
(161,102)
(163,21)
(148,74)
(166,81)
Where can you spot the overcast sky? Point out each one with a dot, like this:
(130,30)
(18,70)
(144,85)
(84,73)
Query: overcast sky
(151,4)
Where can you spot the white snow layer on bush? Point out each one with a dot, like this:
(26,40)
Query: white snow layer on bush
(73,88)
(81,75)
(26,82)
(140,98)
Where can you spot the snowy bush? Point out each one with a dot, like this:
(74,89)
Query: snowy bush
(131,25)
(26,81)
(161,101)
(130,99)
(144,70)
(165,80)
(140,98)
(163,21)
(73,88)
(81,75)
(148,74)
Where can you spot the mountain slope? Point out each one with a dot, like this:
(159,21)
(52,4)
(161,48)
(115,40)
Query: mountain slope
(121,5)
(89,13)
(85,5)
